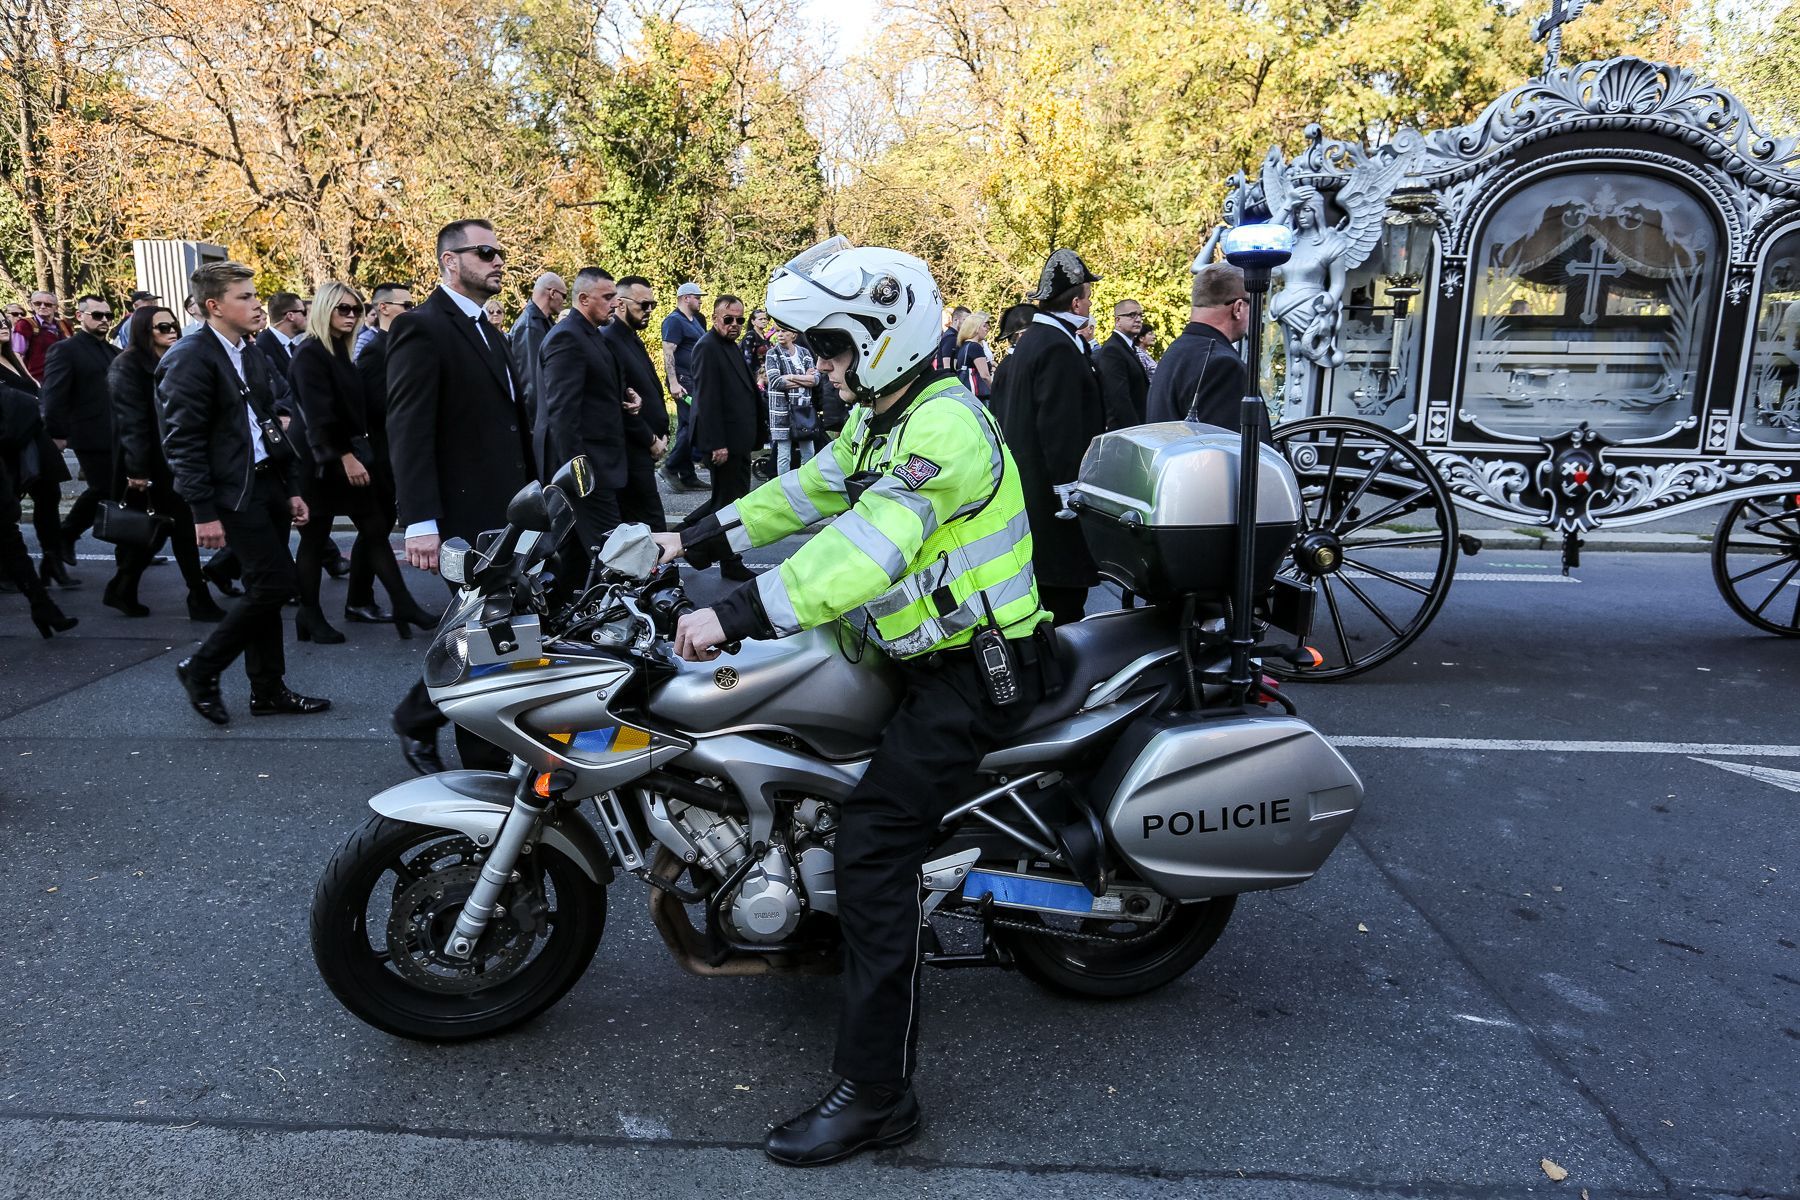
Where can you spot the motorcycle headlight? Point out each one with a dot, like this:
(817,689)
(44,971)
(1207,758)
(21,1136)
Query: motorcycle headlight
(448,658)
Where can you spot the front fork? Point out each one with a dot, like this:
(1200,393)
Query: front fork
(520,824)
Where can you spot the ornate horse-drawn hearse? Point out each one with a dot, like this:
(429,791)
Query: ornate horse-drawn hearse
(1581,311)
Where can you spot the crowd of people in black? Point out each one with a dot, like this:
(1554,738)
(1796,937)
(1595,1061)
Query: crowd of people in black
(255,418)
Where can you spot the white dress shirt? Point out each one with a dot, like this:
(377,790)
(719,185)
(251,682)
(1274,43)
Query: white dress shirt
(235,351)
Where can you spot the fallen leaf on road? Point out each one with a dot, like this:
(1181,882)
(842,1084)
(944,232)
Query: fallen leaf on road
(50,889)
(1361,928)
(740,1087)
(1556,1173)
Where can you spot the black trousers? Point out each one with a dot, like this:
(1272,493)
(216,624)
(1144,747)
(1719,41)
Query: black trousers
(1066,604)
(97,471)
(15,559)
(923,768)
(328,498)
(730,482)
(361,590)
(46,513)
(252,625)
(640,503)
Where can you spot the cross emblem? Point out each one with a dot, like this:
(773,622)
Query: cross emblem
(1550,26)
(1594,269)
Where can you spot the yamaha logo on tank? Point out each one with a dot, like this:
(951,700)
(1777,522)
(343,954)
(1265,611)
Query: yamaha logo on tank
(726,677)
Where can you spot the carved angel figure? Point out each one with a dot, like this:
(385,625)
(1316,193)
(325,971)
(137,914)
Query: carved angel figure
(1310,305)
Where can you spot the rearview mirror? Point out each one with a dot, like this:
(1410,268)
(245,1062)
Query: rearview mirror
(575,479)
(529,509)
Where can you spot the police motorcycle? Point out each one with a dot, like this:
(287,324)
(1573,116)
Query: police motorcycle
(1101,852)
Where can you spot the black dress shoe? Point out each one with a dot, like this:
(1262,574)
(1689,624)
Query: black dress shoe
(734,568)
(852,1117)
(286,701)
(202,693)
(201,607)
(421,754)
(367,614)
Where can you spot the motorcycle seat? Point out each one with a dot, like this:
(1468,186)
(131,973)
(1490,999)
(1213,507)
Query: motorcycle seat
(1093,650)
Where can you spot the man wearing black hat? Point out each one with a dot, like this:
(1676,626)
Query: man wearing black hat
(139,299)
(1050,412)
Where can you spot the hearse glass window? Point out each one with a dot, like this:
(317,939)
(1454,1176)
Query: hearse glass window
(1594,295)
(1772,408)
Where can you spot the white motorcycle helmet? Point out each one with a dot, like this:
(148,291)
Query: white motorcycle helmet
(880,304)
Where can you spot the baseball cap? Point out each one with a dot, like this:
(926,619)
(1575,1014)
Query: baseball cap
(689,289)
(136,296)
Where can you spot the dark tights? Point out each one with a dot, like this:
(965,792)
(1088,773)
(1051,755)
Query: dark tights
(372,528)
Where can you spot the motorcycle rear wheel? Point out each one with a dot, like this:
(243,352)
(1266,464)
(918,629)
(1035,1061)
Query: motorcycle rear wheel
(425,998)
(1096,970)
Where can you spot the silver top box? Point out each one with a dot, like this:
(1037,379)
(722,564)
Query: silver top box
(1178,474)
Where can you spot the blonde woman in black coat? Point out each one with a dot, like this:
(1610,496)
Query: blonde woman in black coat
(329,390)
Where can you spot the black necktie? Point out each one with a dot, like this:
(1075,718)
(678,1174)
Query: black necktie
(495,353)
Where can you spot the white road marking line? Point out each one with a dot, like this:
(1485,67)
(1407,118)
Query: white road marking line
(1686,749)
(1475,576)
(1788,780)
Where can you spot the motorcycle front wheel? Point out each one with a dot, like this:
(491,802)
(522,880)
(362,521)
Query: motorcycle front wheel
(387,903)
(1112,960)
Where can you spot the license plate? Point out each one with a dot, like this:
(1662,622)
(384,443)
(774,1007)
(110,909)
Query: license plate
(1039,894)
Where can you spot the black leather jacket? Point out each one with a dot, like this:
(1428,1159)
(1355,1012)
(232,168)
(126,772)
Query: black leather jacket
(206,433)
(132,379)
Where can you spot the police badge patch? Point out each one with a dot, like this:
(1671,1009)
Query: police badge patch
(917,471)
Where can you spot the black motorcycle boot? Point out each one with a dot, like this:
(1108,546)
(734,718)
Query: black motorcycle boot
(851,1118)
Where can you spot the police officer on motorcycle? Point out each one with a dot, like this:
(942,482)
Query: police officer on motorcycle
(929,553)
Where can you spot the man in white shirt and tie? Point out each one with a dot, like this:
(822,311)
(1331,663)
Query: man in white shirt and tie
(459,436)
(234,467)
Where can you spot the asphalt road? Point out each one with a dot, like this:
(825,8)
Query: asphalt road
(1587,954)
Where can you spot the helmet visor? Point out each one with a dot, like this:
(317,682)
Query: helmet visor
(806,266)
(829,343)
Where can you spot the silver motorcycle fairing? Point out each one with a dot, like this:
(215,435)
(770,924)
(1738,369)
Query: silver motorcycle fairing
(815,685)
(758,769)
(1214,806)
(475,803)
(554,713)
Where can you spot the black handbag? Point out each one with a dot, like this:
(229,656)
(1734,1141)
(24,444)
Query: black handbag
(802,418)
(129,528)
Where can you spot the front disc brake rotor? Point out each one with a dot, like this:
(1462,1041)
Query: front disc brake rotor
(420,923)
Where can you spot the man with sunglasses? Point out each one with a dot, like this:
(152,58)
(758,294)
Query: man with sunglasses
(459,437)
(32,336)
(78,415)
(640,501)
(727,418)
(386,302)
(1202,378)
(1124,384)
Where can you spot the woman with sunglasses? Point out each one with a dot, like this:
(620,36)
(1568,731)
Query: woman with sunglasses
(330,391)
(149,333)
(45,487)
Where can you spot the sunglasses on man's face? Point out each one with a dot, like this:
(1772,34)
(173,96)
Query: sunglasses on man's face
(99,314)
(484,252)
(166,327)
(731,321)
(16,314)
(402,305)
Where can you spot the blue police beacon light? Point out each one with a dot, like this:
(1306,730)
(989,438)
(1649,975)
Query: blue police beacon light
(1260,247)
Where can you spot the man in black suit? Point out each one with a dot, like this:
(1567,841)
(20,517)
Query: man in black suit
(527,335)
(726,418)
(1202,378)
(458,434)
(389,301)
(287,327)
(240,476)
(582,403)
(1124,384)
(78,412)
(1050,412)
(639,500)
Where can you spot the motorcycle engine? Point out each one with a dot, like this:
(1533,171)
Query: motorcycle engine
(767,906)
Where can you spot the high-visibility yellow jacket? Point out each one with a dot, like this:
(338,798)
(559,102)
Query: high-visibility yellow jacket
(930,535)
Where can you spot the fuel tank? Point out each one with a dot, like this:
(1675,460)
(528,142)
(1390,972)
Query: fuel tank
(830,687)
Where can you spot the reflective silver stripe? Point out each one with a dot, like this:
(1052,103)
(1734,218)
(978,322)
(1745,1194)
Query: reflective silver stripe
(997,544)
(897,597)
(996,464)
(933,630)
(831,469)
(891,488)
(798,500)
(871,541)
(736,536)
(777,606)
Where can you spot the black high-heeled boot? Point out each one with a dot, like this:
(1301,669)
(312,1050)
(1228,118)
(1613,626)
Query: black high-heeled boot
(412,613)
(48,618)
(310,625)
(54,570)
